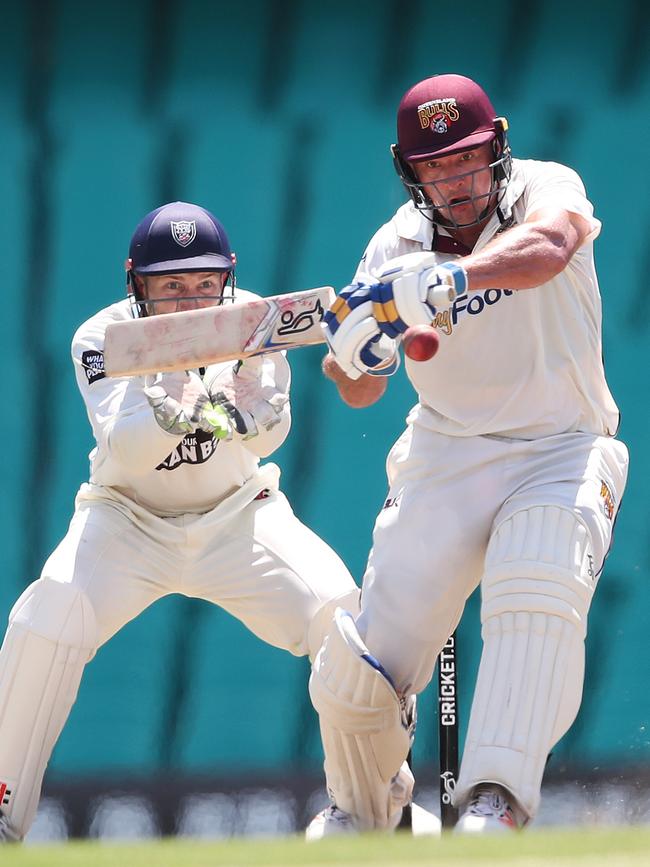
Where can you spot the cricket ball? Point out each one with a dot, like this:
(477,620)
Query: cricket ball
(420,342)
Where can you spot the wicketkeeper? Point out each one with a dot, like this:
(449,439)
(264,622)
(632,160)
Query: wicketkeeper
(508,474)
(177,502)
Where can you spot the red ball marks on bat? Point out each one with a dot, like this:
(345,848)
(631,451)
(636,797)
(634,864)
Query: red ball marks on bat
(420,342)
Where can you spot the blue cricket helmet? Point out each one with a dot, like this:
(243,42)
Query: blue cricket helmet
(180,237)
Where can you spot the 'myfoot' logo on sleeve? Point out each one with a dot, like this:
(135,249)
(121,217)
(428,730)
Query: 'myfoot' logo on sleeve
(467,305)
(92,362)
(194,448)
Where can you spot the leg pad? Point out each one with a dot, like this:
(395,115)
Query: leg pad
(537,589)
(366,729)
(51,636)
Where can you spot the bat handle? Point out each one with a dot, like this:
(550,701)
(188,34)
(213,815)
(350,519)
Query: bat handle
(441,296)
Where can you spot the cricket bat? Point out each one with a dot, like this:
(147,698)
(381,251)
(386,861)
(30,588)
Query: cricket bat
(197,338)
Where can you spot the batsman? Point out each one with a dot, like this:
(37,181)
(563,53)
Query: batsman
(177,502)
(508,474)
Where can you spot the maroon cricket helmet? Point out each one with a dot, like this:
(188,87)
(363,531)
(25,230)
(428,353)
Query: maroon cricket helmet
(443,115)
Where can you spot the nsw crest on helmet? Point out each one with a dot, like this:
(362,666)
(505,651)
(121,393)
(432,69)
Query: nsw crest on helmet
(183,231)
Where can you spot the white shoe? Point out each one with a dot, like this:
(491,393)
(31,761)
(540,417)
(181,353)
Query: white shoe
(424,823)
(489,812)
(329,822)
(332,821)
(7,833)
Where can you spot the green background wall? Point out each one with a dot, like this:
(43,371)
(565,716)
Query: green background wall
(278,116)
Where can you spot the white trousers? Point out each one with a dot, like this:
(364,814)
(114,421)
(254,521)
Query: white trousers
(260,563)
(251,556)
(446,496)
(532,521)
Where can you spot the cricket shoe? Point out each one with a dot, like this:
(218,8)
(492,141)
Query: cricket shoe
(424,823)
(331,821)
(7,833)
(489,812)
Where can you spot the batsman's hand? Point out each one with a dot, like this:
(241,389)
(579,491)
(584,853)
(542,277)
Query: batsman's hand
(357,393)
(411,289)
(243,399)
(354,337)
(177,399)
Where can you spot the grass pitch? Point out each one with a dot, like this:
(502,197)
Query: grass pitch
(620,847)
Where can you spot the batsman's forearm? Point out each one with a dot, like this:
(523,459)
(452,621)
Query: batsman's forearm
(357,393)
(522,258)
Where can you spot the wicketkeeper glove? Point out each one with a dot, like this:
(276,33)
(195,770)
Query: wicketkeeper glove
(177,399)
(411,289)
(354,337)
(243,399)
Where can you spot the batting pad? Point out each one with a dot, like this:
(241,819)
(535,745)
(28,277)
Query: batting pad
(537,589)
(365,726)
(50,638)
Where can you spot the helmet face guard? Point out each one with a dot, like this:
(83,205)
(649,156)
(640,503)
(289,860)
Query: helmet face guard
(442,116)
(430,199)
(178,238)
(142,305)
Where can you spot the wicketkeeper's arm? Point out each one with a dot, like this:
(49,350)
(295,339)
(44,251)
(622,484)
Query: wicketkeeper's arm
(121,417)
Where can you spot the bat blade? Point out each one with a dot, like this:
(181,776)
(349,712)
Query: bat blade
(196,338)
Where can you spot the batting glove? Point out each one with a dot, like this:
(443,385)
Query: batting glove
(411,289)
(354,336)
(177,400)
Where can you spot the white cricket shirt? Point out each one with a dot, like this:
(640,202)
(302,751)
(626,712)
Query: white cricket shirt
(165,473)
(522,364)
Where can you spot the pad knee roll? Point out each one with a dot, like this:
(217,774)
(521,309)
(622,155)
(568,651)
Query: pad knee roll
(321,622)
(540,560)
(366,728)
(537,589)
(51,636)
